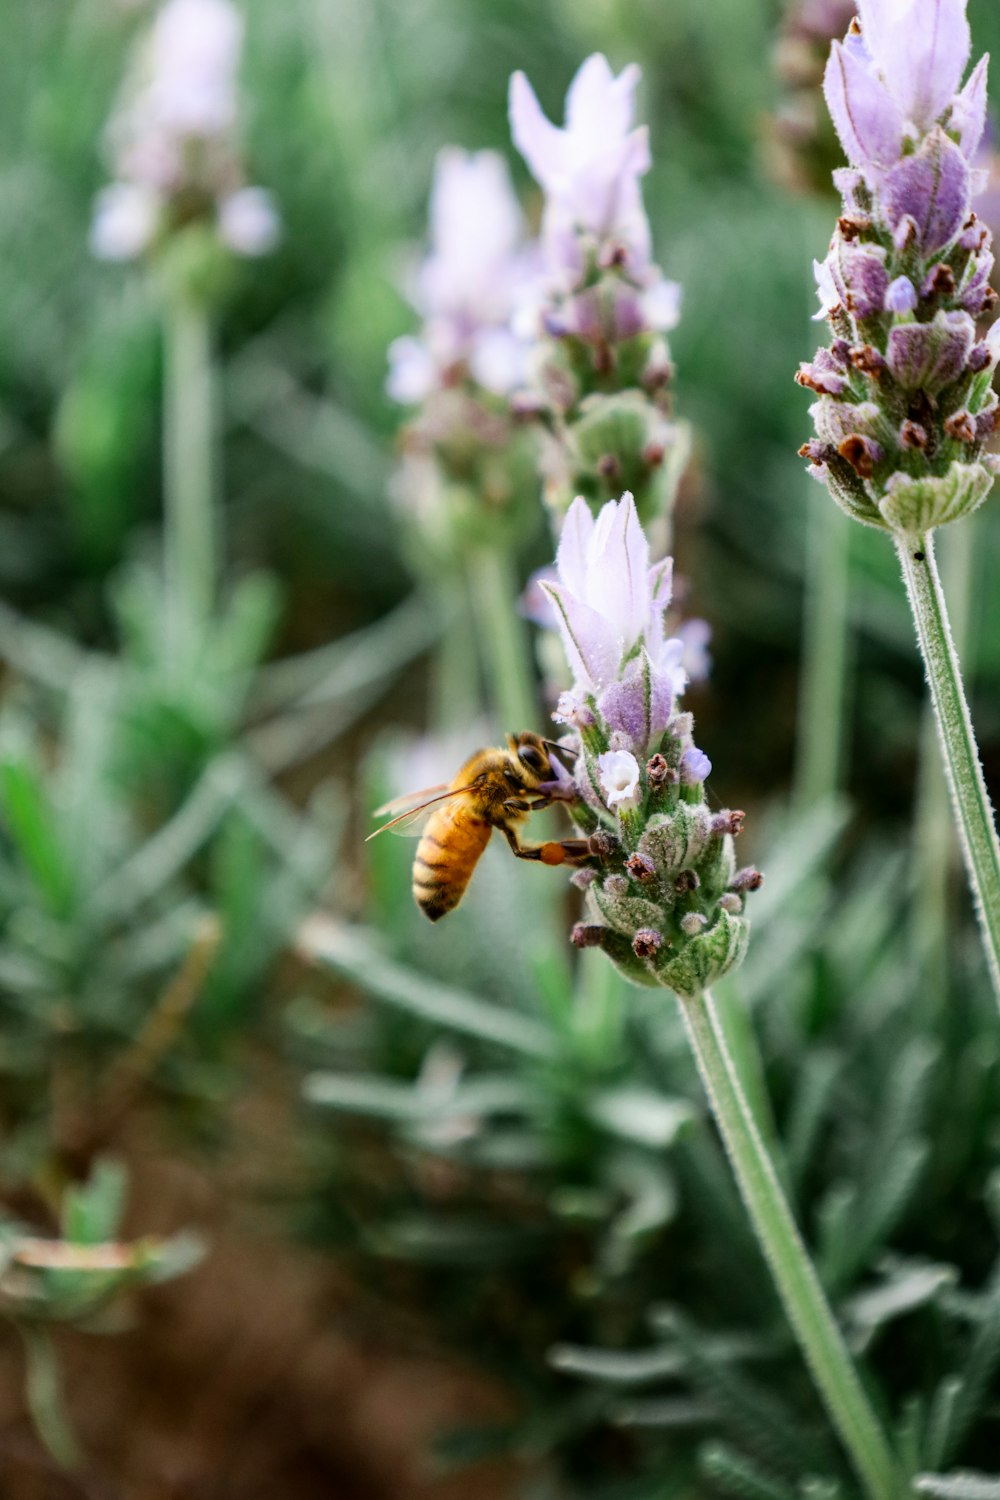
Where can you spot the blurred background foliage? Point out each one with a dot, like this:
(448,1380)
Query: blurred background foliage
(499,1170)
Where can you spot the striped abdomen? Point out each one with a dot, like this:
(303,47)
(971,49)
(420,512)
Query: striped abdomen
(449,848)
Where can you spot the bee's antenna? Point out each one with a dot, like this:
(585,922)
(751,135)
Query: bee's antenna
(561,750)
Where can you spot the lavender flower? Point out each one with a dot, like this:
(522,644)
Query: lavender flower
(469,467)
(172,142)
(905,401)
(590,169)
(602,308)
(662,866)
(468,287)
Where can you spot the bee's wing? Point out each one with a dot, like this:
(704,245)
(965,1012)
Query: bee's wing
(413,811)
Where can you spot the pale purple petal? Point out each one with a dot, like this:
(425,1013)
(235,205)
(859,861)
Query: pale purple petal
(538,140)
(867,120)
(901,297)
(592,645)
(968,115)
(412,371)
(922,48)
(574,545)
(695,766)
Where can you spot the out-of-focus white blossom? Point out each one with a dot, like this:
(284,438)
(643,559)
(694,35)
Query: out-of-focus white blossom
(249,222)
(172,140)
(468,286)
(126,216)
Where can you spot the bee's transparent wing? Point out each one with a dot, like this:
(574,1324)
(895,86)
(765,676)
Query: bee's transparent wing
(413,811)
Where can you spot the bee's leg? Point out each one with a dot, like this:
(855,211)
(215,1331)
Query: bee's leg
(556,852)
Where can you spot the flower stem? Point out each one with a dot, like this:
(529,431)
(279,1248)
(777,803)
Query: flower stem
(822,684)
(189,457)
(970,800)
(798,1285)
(503,638)
(935,844)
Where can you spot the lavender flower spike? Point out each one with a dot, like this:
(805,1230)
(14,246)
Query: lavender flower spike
(173,146)
(906,406)
(601,366)
(663,867)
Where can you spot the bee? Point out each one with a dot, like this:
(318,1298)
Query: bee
(495,788)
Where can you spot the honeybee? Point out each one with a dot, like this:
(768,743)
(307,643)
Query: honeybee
(495,788)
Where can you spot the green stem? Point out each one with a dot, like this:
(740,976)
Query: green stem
(822,683)
(455,691)
(935,845)
(503,638)
(798,1285)
(970,800)
(189,457)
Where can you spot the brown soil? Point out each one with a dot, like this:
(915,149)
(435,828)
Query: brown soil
(252,1377)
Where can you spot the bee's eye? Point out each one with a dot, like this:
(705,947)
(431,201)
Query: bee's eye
(532,758)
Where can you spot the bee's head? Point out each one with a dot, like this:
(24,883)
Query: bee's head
(532,757)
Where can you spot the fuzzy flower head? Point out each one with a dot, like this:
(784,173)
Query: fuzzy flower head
(906,407)
(172,141)
(589,168)
(467,288)
(658,866)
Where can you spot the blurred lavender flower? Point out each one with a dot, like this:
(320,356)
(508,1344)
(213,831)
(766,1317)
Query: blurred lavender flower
(172,141)
(469,472)
(601,308)
(661,899)
(905,400)
(802,147)
(590,169)
(468,286)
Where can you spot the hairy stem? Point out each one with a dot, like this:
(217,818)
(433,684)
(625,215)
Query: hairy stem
(935,844)
(189,458)
(823,676)
(970,800)
(794,1274)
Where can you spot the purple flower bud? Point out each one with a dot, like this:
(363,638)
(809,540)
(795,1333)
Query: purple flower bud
(901,297)
(686,882)
(582,878)
(695,767)
(961,426)
(587,935)
(692,923)
(616,886)
(747,879)
(730,902)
